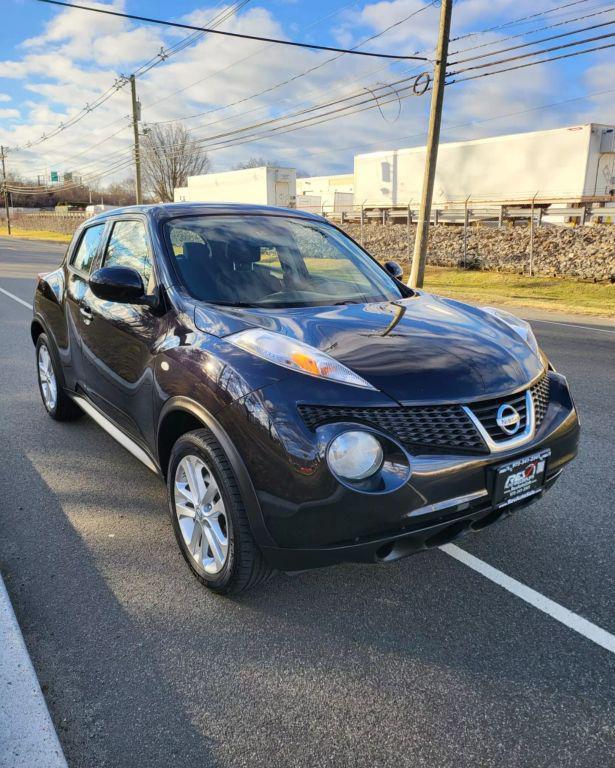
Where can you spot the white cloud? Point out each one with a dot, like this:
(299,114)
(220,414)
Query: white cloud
(78,55)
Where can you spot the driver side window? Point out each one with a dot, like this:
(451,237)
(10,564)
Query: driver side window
(128,247)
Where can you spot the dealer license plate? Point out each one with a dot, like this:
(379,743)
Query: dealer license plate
(519,479)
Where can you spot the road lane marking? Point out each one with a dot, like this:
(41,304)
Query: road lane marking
(571,620)
(572,325)
(16,298)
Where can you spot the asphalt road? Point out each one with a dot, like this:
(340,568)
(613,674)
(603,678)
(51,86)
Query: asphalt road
(421,663)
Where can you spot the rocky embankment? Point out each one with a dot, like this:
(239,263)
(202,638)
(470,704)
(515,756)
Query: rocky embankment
(586,252)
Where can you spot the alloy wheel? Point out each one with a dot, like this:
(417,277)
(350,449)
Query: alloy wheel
(201,513)
(47,378)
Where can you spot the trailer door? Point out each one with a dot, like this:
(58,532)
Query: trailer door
(282,193)
(605,179)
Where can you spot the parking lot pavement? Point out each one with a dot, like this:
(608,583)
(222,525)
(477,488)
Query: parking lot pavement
(425,662)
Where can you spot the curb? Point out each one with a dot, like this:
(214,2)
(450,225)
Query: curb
(47,241)
(27,736)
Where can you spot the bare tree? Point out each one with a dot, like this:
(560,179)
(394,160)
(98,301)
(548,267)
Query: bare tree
(169,156)
(259,162)
(255,162)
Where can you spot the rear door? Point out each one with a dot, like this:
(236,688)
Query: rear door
(78,293)
(119,343)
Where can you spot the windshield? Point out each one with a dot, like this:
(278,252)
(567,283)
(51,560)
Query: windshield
(272,261)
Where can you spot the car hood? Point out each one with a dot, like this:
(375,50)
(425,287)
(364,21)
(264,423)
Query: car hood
(423,348)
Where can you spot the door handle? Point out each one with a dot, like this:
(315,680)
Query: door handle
(86,314)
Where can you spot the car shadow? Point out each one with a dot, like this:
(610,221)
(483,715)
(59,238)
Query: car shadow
(97,664)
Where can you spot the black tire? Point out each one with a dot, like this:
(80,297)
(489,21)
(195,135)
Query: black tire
(64,408)
(245,566)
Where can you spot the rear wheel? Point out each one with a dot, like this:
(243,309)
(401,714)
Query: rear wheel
(209,517)
(58,404)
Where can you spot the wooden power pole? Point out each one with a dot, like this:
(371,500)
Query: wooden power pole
(136,117)
(6,194)
(417,272)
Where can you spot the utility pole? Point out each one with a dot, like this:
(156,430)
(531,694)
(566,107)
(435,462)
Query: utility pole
(6,194)
(136,117)
(417,272)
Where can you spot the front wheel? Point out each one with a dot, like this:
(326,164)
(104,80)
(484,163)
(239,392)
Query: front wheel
(209,517)
(58,404)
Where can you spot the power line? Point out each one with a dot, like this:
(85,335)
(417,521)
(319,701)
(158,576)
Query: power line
(227,140)
(393,90)
(294,77)
(372,37)
(459,125)
(519,20)
(240,35)
(533,53)
(38,190)
(534,31)
(537,42)
(234,138)
(197,35)
(356,99)
(120,82)
(529,64)
(245,58)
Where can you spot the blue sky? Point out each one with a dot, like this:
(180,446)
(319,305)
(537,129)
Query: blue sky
(54,61)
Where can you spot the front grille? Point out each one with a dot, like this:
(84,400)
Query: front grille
(445,428)
(486,412)
(441,426)
(541,393)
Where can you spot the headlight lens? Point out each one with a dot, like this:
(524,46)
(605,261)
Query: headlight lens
(520,327)
(355,455)
(295,355)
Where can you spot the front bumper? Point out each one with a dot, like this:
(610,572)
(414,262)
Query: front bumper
(461,518)
(310,519)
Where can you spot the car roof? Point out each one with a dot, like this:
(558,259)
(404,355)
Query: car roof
(163,211)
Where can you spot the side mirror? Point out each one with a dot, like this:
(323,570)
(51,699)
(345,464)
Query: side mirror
(120,284)
(394,269)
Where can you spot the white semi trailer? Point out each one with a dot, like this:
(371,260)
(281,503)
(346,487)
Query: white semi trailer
(259,186)
(568,164)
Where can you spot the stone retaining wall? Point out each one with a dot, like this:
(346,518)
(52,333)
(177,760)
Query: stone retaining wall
(581,252)
(64,223)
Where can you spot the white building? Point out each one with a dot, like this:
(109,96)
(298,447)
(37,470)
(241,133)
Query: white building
(326,193)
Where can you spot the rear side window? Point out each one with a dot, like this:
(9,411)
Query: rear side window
(84,256)
(127,247)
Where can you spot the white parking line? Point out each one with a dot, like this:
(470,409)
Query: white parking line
(16,298)
(572,325)
(572,620)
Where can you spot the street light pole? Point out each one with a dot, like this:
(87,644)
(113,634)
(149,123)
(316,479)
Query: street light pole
(6,194)
(417,272)
(136,116)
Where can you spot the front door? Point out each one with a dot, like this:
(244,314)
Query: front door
(119,342)
(77,294)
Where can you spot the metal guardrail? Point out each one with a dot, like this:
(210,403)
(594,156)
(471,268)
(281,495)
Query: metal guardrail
(457,215)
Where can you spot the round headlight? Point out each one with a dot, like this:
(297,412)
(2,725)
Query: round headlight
(355,455)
